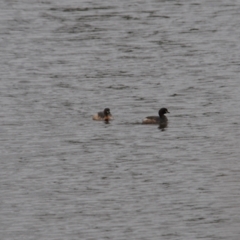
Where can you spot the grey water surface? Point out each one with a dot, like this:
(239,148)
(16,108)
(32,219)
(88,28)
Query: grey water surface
(64,176)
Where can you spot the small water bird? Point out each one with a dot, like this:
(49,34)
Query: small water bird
(103,116)
(161,120)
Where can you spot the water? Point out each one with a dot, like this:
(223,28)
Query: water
(64,176)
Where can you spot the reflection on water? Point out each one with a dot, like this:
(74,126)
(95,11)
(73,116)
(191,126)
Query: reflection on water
(65,176)
(162,127)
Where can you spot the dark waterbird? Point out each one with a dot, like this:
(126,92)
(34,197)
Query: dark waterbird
(161,119)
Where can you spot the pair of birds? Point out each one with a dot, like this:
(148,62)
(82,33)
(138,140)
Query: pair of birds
(161,119)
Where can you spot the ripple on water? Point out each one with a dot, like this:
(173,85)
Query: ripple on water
(64,176)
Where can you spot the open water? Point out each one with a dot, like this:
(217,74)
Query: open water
(64,176)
